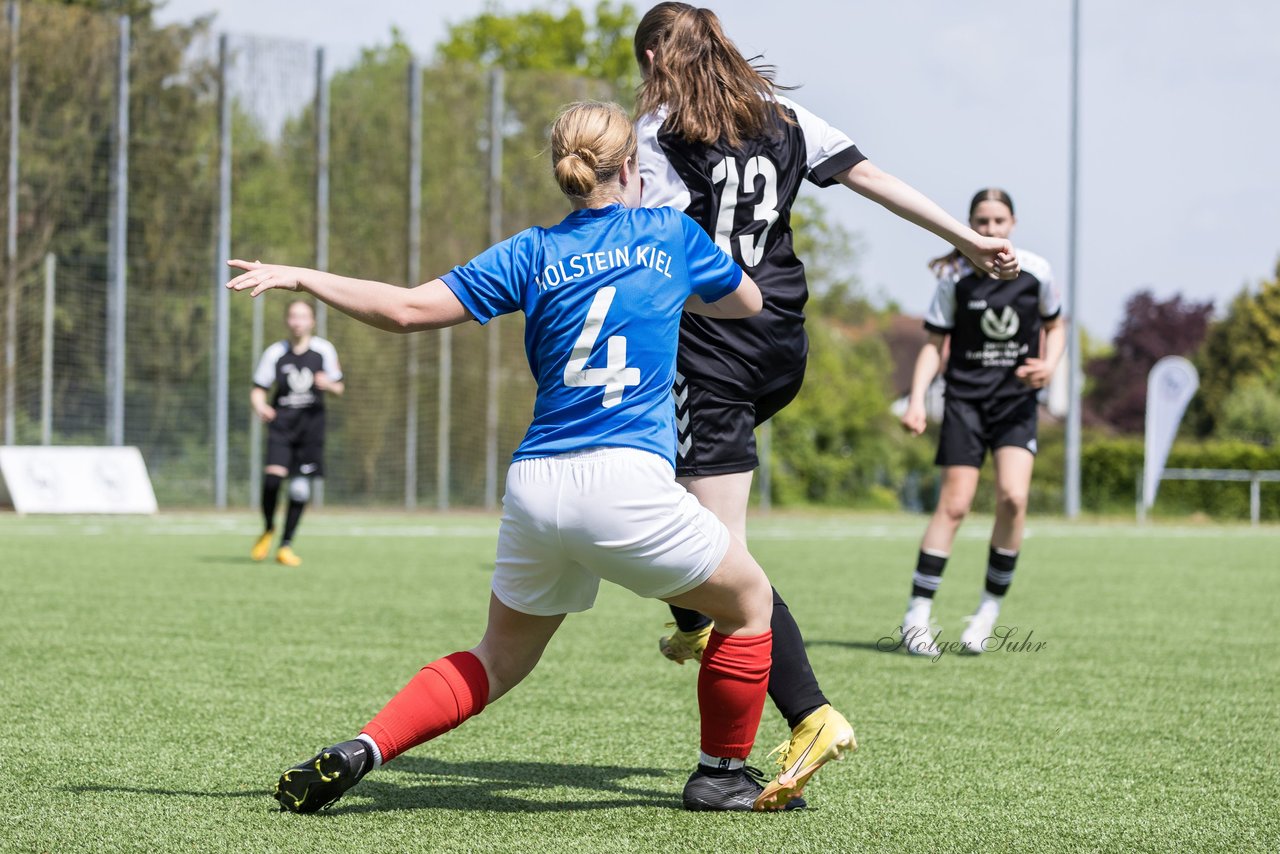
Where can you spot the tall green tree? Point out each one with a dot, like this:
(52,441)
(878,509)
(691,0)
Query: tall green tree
(1243,346)
(598,47)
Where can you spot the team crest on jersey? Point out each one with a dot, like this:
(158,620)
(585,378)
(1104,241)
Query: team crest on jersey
(299,379)
(1002,326)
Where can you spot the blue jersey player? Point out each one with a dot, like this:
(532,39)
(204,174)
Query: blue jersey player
(591,492)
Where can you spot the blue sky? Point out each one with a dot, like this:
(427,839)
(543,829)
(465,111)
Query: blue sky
(1180,177)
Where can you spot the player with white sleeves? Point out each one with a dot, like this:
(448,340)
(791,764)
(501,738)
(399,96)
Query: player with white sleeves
(995,369)
(302,368)
(591,492)
(718,142)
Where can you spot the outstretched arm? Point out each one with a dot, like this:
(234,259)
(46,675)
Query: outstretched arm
(994,255)
(428,306)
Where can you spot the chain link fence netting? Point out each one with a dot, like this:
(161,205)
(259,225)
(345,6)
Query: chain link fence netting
(106,232)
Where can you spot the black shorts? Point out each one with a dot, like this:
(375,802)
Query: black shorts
(295,440)
(715,427)
(970,427)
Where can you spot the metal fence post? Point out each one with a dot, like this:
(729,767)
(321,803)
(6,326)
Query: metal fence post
(11,240)
(413,274)
(255,423)
(46,350)
(322,210)
(1255,500)
(221,299)
(766,466)
(492,383)
(117,248)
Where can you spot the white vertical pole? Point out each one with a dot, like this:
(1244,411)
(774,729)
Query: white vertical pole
(255,423)
(322,209)
(1255,500)
(765,453)
(492,384)
(443,413)
(1072,475)
(413,274)
(117,247)
(46,351)
(11,240)
(221,298)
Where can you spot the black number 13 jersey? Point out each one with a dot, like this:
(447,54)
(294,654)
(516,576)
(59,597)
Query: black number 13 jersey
(742,197)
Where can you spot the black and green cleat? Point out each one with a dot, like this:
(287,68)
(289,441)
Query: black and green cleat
(324,778)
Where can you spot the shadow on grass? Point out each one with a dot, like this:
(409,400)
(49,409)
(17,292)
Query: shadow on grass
(884,644)
(500,787)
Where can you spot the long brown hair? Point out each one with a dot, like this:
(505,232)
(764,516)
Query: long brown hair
(945,263)
(710,91)
(590,143)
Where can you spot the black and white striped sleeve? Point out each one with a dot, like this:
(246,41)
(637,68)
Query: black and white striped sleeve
(1050,298)
(329,358)
(265,374)
(663,186)
(941,317)
(829,152)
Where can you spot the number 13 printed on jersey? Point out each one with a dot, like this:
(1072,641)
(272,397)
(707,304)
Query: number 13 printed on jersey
(726,172)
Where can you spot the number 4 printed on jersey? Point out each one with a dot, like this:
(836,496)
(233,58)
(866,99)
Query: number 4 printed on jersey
(726,172)
(615,376)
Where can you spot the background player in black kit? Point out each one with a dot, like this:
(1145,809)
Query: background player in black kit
(994,370)
(719,143)
(302,368)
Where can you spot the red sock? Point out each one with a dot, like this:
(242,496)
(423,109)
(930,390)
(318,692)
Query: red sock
(438,698)
(732,683)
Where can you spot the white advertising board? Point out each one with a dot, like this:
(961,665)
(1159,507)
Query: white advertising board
(75,480)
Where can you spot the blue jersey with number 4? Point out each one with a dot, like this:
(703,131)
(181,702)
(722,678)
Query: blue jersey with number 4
(603,292)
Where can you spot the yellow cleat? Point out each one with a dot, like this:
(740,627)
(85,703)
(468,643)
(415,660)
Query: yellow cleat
(261,546)
(682,646)
(285,556)
(822,736)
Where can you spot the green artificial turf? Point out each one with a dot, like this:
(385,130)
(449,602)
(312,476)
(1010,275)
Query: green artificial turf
(156,682)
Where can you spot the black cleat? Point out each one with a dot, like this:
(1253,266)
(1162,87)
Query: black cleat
(325,777)
(711,790)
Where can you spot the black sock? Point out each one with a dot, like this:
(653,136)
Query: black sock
(291,518)
(689,621)
(1000,566)
(792,685)
(270,493)
(928,574)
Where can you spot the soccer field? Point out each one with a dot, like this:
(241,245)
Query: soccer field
(156,682)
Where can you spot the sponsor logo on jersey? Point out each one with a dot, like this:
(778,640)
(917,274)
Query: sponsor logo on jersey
(1002,326)
(977,304)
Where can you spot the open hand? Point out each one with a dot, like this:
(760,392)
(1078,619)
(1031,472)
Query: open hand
(263,277)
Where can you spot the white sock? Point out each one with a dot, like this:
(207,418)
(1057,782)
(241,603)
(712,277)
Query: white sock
(920,607)
(373,749)
(721,762)
(990,605)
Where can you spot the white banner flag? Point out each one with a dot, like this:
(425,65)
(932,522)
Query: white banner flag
(1170,386)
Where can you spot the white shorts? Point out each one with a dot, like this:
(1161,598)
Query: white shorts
(612,513)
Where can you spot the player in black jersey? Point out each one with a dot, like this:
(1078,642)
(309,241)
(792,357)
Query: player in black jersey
(302,368)
(997,364)
(719,143)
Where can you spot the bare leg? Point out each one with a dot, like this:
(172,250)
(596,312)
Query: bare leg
(513,643)
(959,483)
(1013,483)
